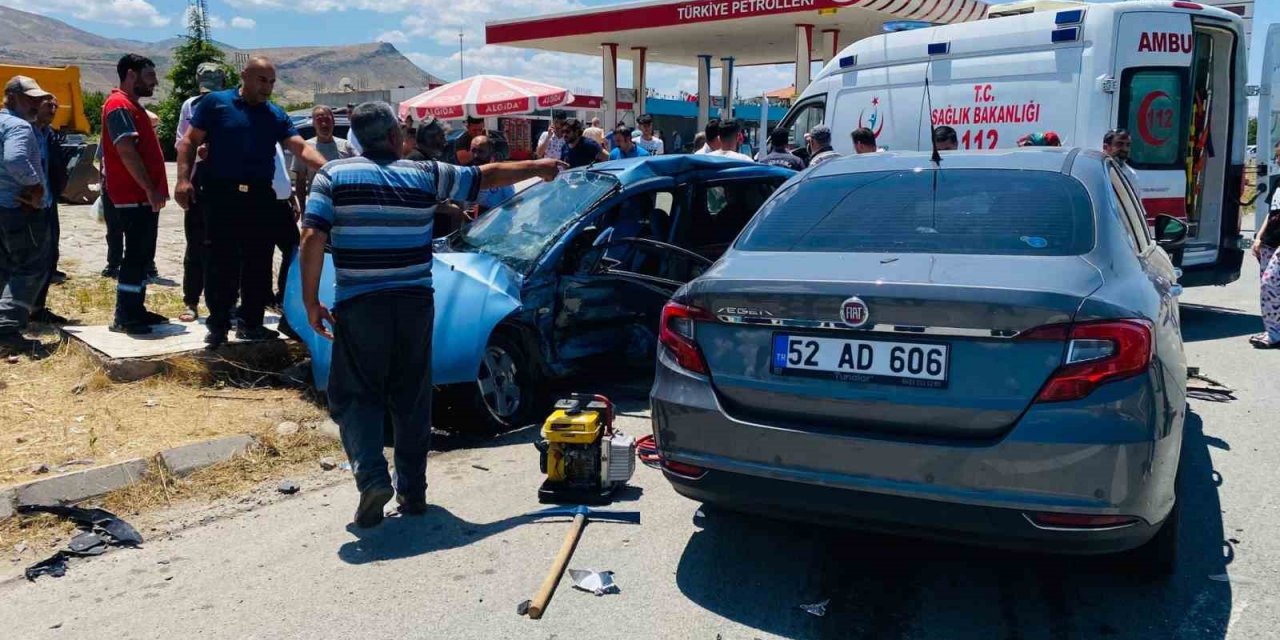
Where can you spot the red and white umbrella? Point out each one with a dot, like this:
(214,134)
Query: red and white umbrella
(484,96)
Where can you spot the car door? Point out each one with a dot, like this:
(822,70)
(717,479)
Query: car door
(718,210)
(613,285)
(1161,277)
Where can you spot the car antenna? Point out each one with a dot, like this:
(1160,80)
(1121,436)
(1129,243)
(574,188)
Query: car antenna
(933,141)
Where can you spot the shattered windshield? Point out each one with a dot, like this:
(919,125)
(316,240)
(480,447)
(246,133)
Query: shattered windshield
(520,229)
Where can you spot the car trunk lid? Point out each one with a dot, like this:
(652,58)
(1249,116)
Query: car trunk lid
(973,375)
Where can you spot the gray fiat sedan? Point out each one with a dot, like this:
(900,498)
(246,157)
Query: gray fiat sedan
(984,349)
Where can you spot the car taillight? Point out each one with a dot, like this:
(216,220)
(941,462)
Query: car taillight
(1097,352)
(676,335)
(684,470)
(1187,5)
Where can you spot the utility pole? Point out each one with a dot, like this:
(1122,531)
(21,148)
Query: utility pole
(461,75)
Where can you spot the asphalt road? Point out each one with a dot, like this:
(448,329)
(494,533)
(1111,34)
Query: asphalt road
(294,570)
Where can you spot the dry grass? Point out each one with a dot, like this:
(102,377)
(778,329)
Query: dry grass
(63,409)
(92,299)
(271,459)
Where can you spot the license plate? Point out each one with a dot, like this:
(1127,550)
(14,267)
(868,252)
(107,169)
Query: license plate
(908,364)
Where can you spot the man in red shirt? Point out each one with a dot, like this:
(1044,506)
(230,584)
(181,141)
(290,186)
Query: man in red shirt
(138,186)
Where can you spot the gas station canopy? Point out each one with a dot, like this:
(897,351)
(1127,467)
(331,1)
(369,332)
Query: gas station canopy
(721,33)
(750,31)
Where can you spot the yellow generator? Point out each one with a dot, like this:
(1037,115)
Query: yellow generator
(584,458)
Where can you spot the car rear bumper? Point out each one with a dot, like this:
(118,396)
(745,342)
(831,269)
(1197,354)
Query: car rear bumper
(1054,461)
(898,515)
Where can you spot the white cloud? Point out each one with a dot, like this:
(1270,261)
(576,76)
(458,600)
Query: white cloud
(128,13)
(394,37)
(241,22)
(257,4)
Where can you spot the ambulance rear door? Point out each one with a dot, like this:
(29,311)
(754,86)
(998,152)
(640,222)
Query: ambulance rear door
(1153,56)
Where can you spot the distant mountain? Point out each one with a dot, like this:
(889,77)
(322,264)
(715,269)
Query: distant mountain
(28,38)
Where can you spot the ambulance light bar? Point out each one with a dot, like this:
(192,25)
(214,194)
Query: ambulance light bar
(848,61)
(1074,16)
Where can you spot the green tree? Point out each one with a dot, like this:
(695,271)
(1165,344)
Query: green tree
(93,110)
(196,50)
(1253,131)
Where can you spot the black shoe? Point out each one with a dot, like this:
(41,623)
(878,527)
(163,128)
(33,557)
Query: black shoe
(149,317)
(58,277)
(369,511)
(415,506)
(111,272)
(215,339)
(45,316)
(256,333)
(132,328)
(14,344)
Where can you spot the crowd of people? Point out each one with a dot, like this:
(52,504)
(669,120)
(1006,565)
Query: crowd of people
(372,201)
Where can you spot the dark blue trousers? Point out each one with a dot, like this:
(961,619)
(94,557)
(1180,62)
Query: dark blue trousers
(380,373)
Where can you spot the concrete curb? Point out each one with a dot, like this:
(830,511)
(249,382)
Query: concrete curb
(7,499)
(185,460)
(82,485)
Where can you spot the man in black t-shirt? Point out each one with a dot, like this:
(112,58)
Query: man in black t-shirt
(580,151)
(778,155)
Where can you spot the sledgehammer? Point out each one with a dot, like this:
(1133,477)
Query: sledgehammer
(580,514)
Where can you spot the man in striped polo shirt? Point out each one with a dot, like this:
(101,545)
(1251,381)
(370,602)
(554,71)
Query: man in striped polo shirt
(375,213)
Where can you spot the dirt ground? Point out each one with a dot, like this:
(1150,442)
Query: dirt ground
(60,412)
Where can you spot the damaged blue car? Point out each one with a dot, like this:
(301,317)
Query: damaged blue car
(566,276)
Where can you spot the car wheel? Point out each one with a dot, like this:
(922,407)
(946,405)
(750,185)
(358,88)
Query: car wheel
(1158,558)
(507,393)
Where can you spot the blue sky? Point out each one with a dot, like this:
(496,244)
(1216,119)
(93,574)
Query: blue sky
(425,30)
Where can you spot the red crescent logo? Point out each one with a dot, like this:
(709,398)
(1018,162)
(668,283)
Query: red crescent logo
(879,121)
(1144,119)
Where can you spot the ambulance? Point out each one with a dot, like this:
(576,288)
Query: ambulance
(1172,73)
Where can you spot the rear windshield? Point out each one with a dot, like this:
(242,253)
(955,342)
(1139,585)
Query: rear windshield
(970,211)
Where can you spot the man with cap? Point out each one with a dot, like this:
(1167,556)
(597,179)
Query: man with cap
(55,168)
(242,128)
(428,141)
(210,77)
(139,187)
(24,198)
(820,150)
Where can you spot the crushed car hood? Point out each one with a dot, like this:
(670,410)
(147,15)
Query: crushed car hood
(473,293)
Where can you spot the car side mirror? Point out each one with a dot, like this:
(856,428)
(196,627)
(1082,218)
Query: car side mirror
(1170,231)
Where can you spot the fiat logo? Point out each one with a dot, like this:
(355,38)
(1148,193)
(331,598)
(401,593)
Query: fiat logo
(853,312)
